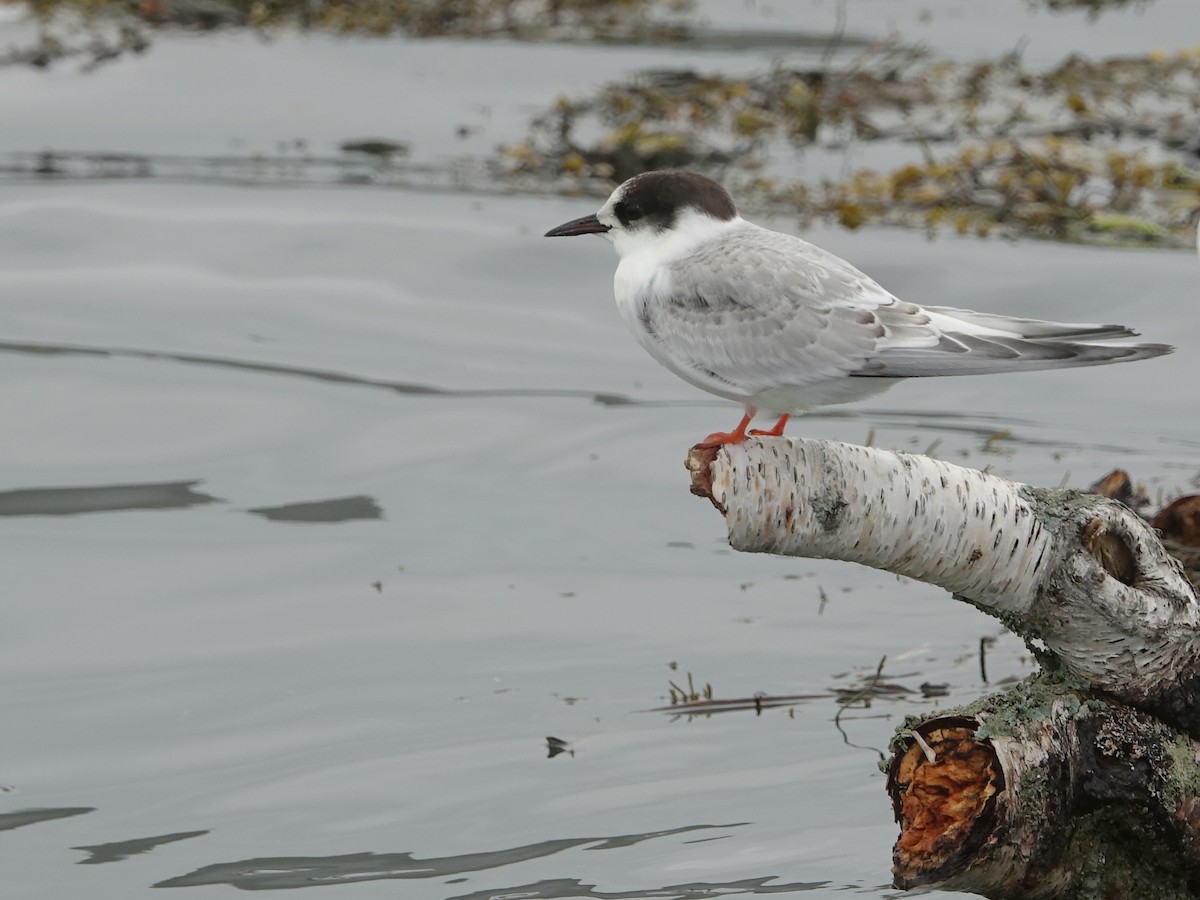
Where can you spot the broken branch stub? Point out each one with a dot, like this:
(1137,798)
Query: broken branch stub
(1085,575)
(1044,792)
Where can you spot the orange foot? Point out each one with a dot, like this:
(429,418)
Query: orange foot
(721,438)
(776,430)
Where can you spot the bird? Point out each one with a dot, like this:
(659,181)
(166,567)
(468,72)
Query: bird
(782,326)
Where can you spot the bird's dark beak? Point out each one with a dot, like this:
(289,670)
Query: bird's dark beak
(586,225)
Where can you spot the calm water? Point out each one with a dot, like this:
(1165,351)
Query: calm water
(320,508)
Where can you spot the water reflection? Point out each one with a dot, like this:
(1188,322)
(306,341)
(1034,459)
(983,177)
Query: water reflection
(286,872)
(71,501)
(119,850)
(339,509)
(400,387)
(570,888)
(22,817)
(970,423)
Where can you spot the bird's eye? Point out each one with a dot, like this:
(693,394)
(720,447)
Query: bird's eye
(627,212)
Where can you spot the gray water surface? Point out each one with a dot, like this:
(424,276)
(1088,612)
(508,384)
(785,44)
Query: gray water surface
(321,508)
(359,691)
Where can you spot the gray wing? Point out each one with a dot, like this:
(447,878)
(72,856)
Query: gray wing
(761,310)
(974,343)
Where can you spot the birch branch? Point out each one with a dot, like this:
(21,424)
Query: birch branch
(1082,781)
(1084,575)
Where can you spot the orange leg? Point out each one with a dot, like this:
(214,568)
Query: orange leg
(721,438)
(776,429)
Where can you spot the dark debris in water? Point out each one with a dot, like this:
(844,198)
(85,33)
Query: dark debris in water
(1094,8)
(692,701)
(1179,523)
(701,701)
(709,705)
(375,163)
(377,147)
(1117,485)
(555,746)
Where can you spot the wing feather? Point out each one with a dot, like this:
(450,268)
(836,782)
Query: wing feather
(760,310)
(764,317)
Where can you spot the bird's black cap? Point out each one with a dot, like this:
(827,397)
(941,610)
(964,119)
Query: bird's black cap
(657,198)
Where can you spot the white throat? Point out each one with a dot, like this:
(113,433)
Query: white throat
(692,229)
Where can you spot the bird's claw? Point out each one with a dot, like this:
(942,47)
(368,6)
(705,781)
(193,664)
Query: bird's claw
(722,438)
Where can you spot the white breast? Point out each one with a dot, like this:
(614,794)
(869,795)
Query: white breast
(643,279)
(643,276)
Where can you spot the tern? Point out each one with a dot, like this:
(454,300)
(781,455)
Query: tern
(781,326)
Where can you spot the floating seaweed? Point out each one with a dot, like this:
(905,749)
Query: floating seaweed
(1095,151)
(100,30)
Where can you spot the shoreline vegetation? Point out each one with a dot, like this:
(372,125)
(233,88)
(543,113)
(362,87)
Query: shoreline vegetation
(1100,151)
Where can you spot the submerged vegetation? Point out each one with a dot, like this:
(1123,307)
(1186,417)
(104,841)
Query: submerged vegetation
(100,30)
(1088,150)
(893,93)
(1099,151)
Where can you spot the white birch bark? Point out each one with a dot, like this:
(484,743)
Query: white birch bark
(1085,575)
